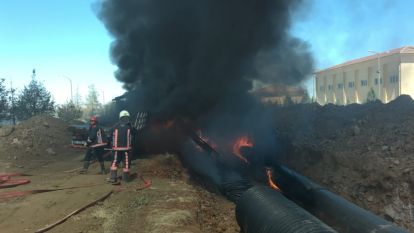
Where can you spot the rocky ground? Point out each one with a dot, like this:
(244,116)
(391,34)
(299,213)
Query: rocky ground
(364,153)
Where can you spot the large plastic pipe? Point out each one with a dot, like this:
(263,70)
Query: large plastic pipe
(264,210)
(339,213)
(216,174)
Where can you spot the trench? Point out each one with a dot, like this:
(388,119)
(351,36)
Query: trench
(301,199)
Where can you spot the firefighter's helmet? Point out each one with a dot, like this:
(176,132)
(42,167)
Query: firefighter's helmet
(123,113)
(93,118)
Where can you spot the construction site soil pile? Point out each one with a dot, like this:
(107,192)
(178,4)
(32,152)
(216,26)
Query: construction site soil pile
(38,138)
(364,153)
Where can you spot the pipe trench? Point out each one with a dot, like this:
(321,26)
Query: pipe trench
(343,215)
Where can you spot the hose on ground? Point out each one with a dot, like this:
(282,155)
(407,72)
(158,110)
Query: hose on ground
(7,182)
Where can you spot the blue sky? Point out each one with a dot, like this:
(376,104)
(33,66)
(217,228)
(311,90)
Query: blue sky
(340,30)
(65,39)
(60,39)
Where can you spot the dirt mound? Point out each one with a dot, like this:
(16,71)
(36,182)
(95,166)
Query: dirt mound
(361,152)
(35,138)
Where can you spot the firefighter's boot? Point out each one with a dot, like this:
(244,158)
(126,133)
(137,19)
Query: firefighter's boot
(85,167)
(125,176)
(113,178)
(103,170)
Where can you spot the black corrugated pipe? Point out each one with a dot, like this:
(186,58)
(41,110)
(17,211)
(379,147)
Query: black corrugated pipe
(216,174)
(233,185)
(264,210)
(339,213)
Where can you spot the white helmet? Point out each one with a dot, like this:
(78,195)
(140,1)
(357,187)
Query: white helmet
(123,113)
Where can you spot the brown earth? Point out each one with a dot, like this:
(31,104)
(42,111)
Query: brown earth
(171,204)
(38,138)
(364,153)
(174,203)
(361,152)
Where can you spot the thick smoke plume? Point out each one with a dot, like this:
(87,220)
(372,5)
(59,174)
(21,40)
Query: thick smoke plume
(192,57)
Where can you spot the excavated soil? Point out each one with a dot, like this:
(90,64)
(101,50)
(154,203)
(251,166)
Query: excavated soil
(361,152)
(40,147)
(364,153)
(41,138)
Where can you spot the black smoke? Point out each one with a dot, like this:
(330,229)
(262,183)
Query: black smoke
(192,58)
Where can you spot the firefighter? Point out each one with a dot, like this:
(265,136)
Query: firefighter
(122,134)
(96,143)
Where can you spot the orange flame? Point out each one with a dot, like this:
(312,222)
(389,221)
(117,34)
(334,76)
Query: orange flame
(269,174)
(241,142)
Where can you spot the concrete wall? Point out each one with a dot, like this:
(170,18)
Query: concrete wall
(352,83)
(407,84)
(407,70)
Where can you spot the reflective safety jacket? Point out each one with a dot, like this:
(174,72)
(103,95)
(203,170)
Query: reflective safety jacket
(122,134)
(96,137)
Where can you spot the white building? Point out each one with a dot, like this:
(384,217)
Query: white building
(388,74)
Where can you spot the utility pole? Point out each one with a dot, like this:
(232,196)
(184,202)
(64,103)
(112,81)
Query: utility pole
(378,71)
(13,116)
(71,92)
(103,97)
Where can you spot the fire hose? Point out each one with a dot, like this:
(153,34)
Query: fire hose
(47,228)
(7,182)
(7,195)
(147,184)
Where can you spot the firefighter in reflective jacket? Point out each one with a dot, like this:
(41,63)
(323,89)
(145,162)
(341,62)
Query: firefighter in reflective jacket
(96,143)
(122,134)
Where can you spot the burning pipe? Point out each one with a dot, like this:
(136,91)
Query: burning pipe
(258,209)
(250,202)
(264,210)
(338,212)
(226,181)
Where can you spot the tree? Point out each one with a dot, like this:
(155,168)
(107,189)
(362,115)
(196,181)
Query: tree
(371,96)
(34,100)
(92,105)
(69,111)
(4,103)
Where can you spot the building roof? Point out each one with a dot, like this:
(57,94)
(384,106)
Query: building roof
(405,49)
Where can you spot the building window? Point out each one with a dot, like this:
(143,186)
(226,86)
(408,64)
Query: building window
(351,84)
(340,85)
(329,87)
(322,88)
(376,81)
(364,82)
(394,79)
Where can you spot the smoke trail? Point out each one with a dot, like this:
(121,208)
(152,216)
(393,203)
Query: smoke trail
(190,57)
